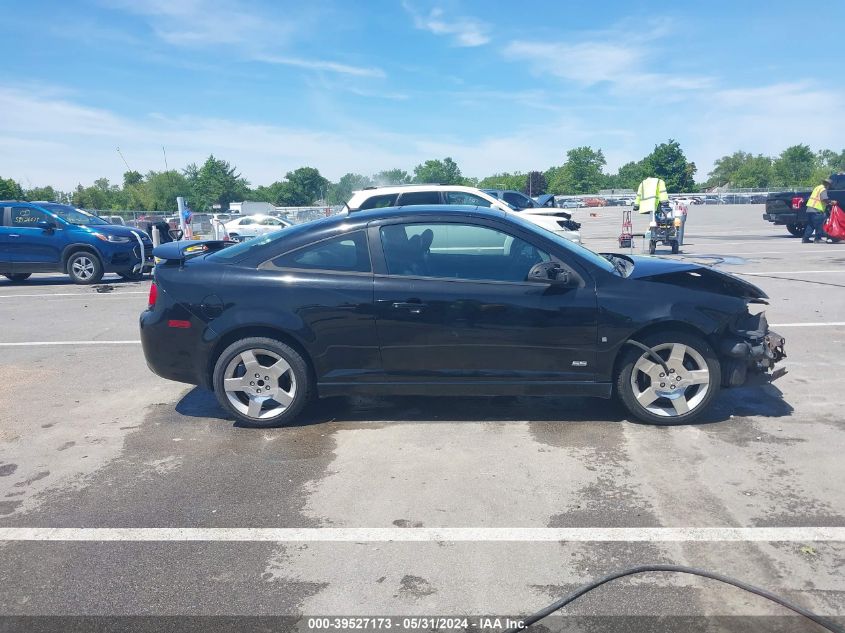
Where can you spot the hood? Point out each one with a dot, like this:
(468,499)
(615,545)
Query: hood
(121,231)
(694,277)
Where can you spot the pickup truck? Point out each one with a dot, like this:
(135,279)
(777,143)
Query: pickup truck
(789,208)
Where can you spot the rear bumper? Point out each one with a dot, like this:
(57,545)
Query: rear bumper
(750,352)
(781,218)
(175,353)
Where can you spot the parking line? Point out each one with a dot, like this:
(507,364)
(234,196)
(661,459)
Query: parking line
(44,343)
(469,534)
(828,324)
(797,272)
(79,294)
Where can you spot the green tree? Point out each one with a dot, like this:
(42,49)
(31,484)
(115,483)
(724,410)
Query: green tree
(10,190)
(391,177)
(535,183)
(629,175)
(160,189)
(756,171)
(725,168)
(305,185)
(445,172)
(216,182)
(581,173)
(47,194)
(669,163)
(132,177)
(795,166)
(341,191)
(504,180)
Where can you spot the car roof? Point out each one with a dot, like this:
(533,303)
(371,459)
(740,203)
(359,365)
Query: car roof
(368,192)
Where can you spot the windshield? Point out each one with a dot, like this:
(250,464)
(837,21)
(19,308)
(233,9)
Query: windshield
(72,215)
(576,249)
(233,252)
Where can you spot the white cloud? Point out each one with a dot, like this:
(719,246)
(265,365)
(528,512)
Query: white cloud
(464,31)
(593,62)
(212,23)
(316,64)
(767,119)
(63,143)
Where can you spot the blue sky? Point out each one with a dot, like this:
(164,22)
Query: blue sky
(370,85)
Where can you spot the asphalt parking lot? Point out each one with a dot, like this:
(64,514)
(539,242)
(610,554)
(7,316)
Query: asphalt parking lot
(91,439)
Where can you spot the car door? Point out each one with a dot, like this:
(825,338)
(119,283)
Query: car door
(331,283)
(5,252)
(452,304)
(31,248)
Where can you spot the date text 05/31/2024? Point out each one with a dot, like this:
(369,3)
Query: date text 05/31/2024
(415,623)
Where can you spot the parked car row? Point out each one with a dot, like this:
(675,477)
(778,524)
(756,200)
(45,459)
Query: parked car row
(42,237)
(550,218)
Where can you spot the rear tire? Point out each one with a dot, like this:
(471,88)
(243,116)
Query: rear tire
(675,248)
(656,398)
(130,276)
(262,382)
(796,230)
(652,246)
(16,278)
(84,268)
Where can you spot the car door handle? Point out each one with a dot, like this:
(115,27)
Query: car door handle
(412,307)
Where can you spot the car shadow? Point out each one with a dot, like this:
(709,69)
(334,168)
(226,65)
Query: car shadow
(766,401)
(63,280)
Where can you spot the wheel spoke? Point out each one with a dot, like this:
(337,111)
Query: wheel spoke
(681,405)
(250,362)
(678,353)
(279,368)
(699,376)
(283,397)
(647,397)
(234,384)
(646,366)
(254,409)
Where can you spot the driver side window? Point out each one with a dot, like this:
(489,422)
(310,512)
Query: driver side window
(26,217)
(458,251)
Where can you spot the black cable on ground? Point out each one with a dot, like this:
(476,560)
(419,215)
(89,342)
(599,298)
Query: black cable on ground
(642,569)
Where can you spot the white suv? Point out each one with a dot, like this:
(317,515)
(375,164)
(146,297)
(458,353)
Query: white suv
(404,195)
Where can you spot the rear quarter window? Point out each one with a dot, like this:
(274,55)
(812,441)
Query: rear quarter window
(344,253)
(379,202)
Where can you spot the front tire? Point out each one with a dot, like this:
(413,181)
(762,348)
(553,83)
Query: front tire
(16,278)
(652,246)
(796,230)
(675,248)
(655,397)
(262,382)
(84,268)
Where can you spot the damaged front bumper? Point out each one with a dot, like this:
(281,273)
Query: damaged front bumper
(750,351)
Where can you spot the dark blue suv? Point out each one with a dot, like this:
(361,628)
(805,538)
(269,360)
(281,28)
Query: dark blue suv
(43,237)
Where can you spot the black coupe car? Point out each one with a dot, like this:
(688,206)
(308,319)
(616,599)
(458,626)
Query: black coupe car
(447,301)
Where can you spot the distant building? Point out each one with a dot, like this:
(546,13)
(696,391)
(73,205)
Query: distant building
(248,207)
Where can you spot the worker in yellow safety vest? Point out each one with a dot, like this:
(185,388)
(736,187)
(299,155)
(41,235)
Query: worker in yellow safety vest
(816,207)
(650,193)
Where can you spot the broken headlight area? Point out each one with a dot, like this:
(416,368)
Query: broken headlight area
(749,346)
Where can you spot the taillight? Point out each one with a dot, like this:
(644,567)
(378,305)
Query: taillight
(151,302)
(796,202)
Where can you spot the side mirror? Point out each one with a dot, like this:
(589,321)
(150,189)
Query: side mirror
(554,274)
(46,225)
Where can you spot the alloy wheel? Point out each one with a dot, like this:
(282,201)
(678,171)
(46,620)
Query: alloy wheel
(259,383)
(83,267)
(672,394)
